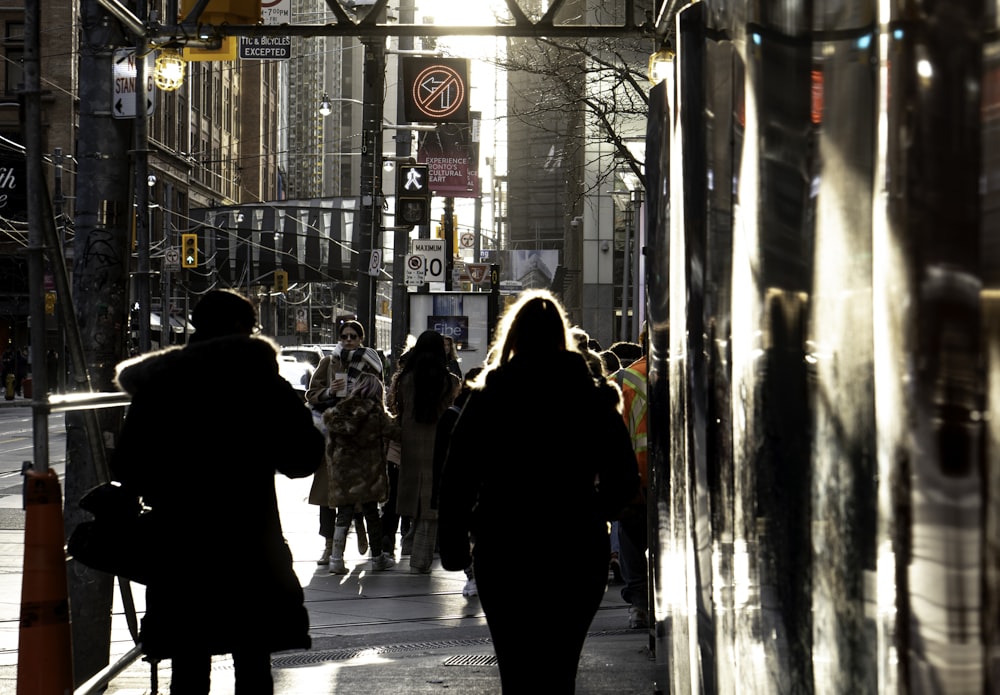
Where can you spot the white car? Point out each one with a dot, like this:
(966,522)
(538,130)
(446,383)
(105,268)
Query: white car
(297,364)
(295,372)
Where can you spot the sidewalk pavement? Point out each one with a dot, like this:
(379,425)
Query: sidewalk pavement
(380,632)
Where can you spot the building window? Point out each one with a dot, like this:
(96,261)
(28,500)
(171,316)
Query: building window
(13,53)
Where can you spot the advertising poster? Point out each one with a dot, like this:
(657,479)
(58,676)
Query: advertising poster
(451,154)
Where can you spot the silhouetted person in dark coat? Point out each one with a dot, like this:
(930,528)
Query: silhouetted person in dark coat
(208,427)
(562,452)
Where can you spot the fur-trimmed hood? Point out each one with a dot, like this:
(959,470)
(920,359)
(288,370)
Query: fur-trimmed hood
(203,362)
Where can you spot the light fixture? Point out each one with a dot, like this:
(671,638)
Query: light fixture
(168,74)
(388,165)
(324,105)
(660,65)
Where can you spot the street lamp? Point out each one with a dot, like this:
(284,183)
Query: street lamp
(168,73)
(326,103)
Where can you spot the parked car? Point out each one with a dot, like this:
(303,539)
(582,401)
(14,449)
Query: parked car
(297,364)
(327,348)
(304,353)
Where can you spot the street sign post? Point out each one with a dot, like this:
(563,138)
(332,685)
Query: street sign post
(123,77)
(375,263)
(433,250)
(478,272)
(269,47)
(435,90)
(415,264)
(172,259)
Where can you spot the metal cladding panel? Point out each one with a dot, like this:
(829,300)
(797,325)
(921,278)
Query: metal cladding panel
(310,240)
(312,265)
(268,256)
(824,502)
(290,244)
(686,369)
(931,370)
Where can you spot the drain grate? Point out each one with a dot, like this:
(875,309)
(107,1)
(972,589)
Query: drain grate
(311,658)
(472,660)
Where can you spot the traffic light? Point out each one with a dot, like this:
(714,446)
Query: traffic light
(413,195)
(280,281)
(189,250)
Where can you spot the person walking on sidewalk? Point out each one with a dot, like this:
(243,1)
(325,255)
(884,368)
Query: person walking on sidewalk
(330,383)
(392,522)
(424,392)
(359,428)
(213,496)
(632,527)
(441,444)
(563,455)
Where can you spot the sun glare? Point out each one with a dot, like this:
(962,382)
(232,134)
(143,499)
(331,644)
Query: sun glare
(468,13)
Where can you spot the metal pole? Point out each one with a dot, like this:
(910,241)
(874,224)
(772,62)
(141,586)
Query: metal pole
(401,237)
(168,192)
(638,243)
(57,203)
(626,263)
(141,186)
(477,244)
(36,208)
(370,237)
(449,241)
(102,209)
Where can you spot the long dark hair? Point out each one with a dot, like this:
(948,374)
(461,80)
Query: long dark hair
(431,378)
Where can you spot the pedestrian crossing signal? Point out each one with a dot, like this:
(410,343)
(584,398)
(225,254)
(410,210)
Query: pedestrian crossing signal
(412,211)
(413,180)
(189,250)
(413,195)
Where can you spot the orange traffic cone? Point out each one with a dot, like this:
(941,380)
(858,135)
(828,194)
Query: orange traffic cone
(45,650)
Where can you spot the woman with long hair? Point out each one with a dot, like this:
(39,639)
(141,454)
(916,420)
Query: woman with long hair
(538,438)
(425,390)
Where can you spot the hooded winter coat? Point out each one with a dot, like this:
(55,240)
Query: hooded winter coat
(204,458)
(359,429)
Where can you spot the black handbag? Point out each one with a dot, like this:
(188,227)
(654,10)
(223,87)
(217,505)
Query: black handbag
(119,538)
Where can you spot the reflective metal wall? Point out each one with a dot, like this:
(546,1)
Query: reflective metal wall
(824,304)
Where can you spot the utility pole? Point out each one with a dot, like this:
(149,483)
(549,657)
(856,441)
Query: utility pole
(57,202)
(448,224)
(401,238)
(100,294)
(370,237)
(141,188)
(165,301)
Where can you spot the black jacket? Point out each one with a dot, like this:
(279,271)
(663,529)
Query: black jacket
(208,427)
(542,443)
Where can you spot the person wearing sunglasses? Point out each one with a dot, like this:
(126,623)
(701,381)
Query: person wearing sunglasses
(332,382)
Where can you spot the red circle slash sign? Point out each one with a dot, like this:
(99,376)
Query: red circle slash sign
(438,91)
